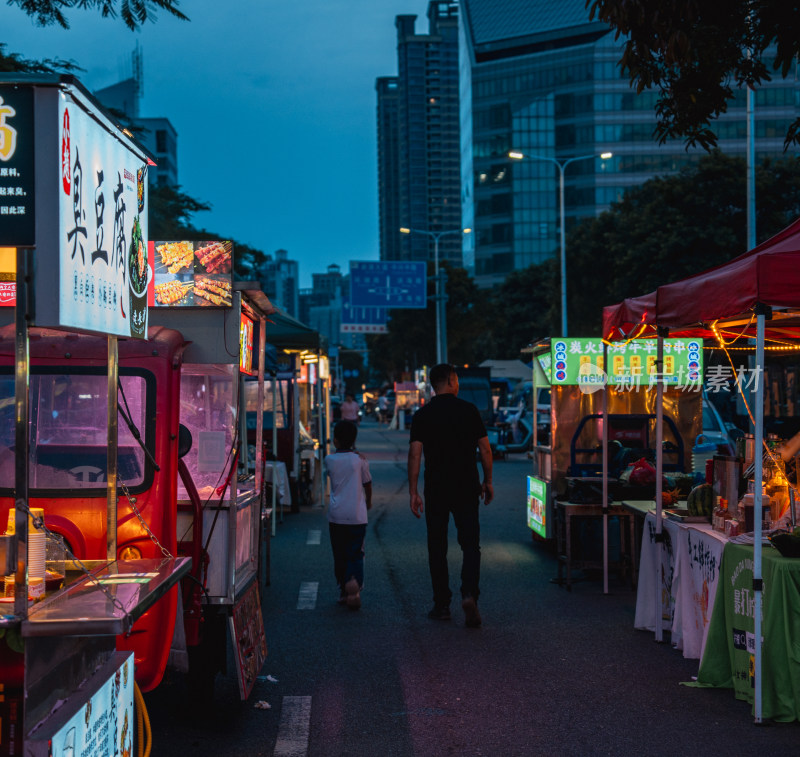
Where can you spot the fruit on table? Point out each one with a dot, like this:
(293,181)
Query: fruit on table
(701,500)
(669,498)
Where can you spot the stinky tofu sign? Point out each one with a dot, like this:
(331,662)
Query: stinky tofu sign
(578,362)
(104,267)
(17,196)
(105,724)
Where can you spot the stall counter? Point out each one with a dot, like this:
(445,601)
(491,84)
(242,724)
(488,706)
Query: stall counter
(728,658)
(690,557)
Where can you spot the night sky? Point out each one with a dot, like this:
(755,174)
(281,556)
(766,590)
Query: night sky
(274,105)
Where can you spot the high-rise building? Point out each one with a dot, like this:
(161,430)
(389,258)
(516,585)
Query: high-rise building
(543,79)
(321,307)
(388,168)
(420,187)
(280,279)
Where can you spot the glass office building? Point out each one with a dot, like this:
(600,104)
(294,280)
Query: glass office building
(541,78)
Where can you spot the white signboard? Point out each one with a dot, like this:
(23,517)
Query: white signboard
(104,271)
(104,726)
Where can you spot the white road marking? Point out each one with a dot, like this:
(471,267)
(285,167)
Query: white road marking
(314,536)
(294,727)
(307,598)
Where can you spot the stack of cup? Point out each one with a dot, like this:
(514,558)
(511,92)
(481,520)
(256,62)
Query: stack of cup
(36,553)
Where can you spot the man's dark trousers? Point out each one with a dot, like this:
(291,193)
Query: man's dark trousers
(465,517)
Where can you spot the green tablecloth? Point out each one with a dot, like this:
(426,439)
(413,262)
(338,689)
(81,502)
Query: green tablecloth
(728,659)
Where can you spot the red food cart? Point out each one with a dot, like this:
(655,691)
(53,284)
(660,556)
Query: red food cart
(126,430)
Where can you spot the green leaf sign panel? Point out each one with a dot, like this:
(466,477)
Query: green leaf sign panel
(537,506)
(580,362)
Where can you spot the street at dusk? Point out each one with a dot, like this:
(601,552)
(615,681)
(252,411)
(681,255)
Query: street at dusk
(412,378)
(550,672)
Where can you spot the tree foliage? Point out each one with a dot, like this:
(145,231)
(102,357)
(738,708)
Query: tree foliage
(525,307)
(672,227)
(133,13)
(696,52)
(15,63)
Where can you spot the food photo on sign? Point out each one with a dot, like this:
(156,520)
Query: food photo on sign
(192,274)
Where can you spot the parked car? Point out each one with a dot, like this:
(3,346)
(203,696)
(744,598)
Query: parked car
(715,430)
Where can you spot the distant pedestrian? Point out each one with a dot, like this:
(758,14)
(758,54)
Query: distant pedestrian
(383,408)
(351,497)
(448,431)
(350,409)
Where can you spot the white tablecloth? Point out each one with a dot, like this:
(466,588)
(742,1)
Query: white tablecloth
(690,556)
(695,586)
(283,496)
(646,588)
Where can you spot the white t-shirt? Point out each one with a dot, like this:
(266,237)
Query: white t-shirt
(348,472)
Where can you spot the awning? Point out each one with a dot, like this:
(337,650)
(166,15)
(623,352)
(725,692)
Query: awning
(286,332)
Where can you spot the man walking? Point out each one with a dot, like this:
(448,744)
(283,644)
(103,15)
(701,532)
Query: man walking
(448,430)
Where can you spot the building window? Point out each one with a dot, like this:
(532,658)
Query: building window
(161,140)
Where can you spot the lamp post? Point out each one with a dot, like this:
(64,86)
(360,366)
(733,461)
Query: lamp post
(441,314)
(561,165)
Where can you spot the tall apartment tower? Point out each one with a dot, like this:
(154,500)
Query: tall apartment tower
(420,187)
(388,168)
(543,79)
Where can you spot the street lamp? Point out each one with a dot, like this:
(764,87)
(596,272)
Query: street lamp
(441,315)
(561,164)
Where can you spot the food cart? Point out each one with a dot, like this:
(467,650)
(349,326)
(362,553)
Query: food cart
(74,209)
(128,454)
(753,297)
(299,389)
(600,422)
(220,501)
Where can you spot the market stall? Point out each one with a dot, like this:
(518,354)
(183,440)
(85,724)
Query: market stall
(74,208)
(602,419)
(754,296)
(300,395)
(220,500)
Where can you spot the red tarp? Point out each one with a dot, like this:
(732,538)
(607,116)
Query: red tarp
(767,274)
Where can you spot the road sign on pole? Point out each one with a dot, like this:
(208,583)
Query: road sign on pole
(388,284)
(358,320)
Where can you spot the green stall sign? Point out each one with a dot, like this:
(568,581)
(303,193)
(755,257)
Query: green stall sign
(581,362)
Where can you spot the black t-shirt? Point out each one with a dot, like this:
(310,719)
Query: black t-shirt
(449,429)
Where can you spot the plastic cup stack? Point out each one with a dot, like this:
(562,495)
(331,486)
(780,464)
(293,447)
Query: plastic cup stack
(36,553)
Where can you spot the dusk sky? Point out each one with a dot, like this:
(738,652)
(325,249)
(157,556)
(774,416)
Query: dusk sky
(274,105)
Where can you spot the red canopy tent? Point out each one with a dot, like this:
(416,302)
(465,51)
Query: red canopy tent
(731,300)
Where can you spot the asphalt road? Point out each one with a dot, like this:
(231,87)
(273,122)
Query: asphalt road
(550,672)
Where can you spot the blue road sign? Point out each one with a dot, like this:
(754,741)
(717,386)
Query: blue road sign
(362,320)
(388,284)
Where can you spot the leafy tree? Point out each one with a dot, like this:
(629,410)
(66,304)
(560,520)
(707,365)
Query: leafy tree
(171,211)
(467,318)
(525,307)
(134,13)
(15,63)
(696,52)
(672,227)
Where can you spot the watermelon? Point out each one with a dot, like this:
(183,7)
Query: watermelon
(701,500)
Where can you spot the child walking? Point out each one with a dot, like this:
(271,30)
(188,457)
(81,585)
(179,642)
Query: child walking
(351,497)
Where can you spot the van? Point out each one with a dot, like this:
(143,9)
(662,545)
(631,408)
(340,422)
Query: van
(478,391)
